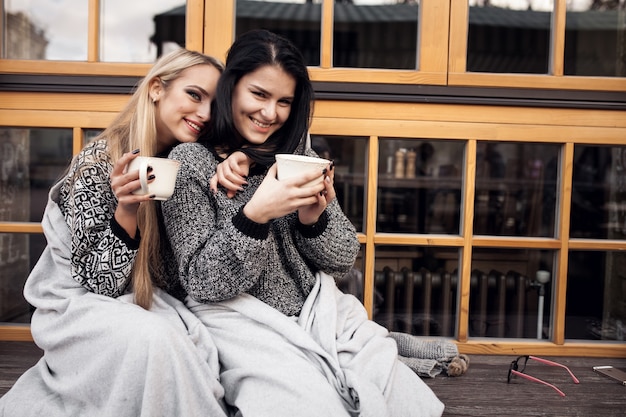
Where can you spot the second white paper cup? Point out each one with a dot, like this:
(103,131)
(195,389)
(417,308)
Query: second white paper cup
(290,165)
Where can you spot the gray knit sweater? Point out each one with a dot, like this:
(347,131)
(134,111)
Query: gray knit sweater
(221,253)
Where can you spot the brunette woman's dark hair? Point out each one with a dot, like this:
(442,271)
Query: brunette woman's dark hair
(249,52)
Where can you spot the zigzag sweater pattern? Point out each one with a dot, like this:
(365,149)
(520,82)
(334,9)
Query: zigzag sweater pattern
(221,253)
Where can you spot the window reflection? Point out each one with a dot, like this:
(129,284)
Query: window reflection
(18,254)
(416,289)
(89,135)
(599,192)
(376,34)
(297,21)
(595,44)
(507,40)
(595,307)
(516,189)
(348,154)
(511,293)
(45,29)
(419,186)
(141,30)
(366,34)
(137,31)
(30,162)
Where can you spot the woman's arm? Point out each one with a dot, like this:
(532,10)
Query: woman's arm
(331,245)
(326,238)
(102,252)
(232,173)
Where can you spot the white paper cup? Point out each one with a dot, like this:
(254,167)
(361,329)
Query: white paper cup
(164,170)
(290,166)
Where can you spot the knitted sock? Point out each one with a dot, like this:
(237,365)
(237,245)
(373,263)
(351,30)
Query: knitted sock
(427,368)
(411,346)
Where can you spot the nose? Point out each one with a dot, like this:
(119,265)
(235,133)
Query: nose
(269,111)
(204,110)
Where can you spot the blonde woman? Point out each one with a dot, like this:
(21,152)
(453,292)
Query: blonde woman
(115,340)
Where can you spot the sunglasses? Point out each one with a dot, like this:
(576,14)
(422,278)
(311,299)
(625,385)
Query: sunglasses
(518,366)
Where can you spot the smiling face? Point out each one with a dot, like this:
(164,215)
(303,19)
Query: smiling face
(261,103)
(184,106)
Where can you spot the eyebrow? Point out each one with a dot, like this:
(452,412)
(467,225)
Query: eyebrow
(269,93)
(202,90)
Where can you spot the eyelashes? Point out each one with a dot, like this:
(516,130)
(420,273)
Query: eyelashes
(194,94)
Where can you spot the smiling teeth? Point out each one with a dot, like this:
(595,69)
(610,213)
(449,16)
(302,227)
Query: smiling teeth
(193,125)
(256,122)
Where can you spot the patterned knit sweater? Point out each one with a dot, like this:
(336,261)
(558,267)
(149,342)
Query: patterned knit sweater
(102,252)
(221,253)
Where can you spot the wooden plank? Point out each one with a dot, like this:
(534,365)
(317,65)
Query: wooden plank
(63,119)
(484,392)
(15,333)
(467,230)
(434,21)
(537,81)
(370,226)
(557,39)
(413,239)
(219,27)
(93,31)
(20,227)
(529,118)
(327,29)
(73,67)
(359,75)
(565,204)
(15,359)
(63,101)
(459,17)
(414,129)
(194,25)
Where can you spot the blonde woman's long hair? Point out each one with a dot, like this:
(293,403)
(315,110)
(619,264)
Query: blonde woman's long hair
(135,128)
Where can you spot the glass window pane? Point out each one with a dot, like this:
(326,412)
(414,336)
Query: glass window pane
(140,30)
(509,37)
(348,154)
(516,189)
(375,34)
(419,186)
(595,306)
(31,160)
(296,20)
(90,134)
(599,192)
(416,289)
(595,39)
(511,293)
(18,254)
(46,29)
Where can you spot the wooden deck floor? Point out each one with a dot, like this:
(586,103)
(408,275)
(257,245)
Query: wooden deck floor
(482,391)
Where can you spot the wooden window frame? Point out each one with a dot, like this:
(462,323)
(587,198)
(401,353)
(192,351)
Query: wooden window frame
(458,75)
(471,123)
(210,27)
(194,29)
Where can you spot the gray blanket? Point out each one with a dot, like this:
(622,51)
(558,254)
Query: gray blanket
(329,361)
(106,356)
